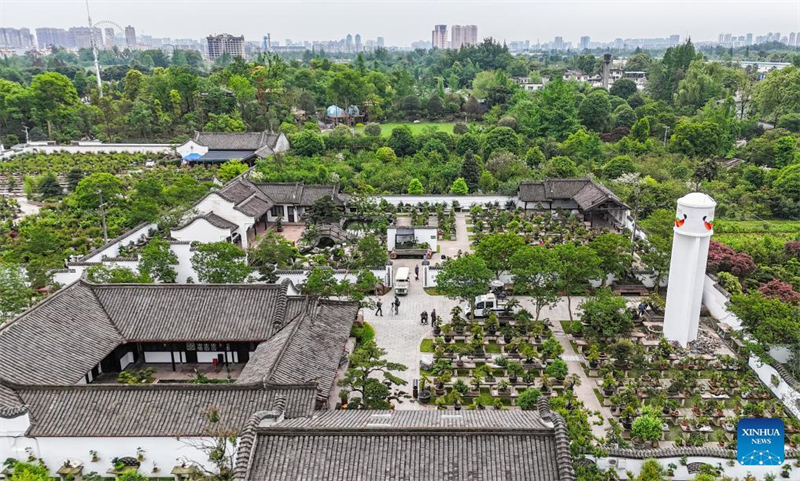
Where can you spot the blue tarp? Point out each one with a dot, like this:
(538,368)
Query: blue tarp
(192,156)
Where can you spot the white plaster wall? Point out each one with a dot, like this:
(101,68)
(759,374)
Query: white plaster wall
(164,452)
(10,427)
(214,203)
(161,357)
(200,230)
(420,235)
(113,249)
(102,148)
(191,147)
(282,145)
(67,278)
(126,360)
(298,278)
(209,356)
(184,267)
(464,201)
(736,471)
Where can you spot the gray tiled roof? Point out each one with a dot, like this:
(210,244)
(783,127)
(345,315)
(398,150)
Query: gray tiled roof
(586,192)
(308,349)
(10,403)
(62,338)
(406,445)
(192,312)
(246,197)
(153,410)
(251,141)
(59,340)
(297,193)
(212,218)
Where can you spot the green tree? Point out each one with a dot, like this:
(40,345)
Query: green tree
(459,187)
(501,138)
(321,282)
(87,193)
(53,100)
(346,88)
(372,129)
(696,139)
(370,252)
(231,169)
(535,274)
(220,263)
(15,295)
(469,142)
(624,116)
(324,211)
(648,426)
(771,321)
(497,251)
(273,252)
(102,274)
(641,130)
(577,266)
(464,278)
(606,314)
(595,111)
(28,471)
(506,166)
(614,252)
(527,400)
(778,94)
(623,88)
(370,375)
(415,187)
(158,261)
(308,144)
(617,166)
(785,149)
(402,141)
(49,187)
(560,167)
(385,155)
(471,172)
(557,109)
(534,157)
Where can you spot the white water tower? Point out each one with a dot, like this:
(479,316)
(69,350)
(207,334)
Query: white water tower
(694,225)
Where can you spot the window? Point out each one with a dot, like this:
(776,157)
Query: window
(276,210)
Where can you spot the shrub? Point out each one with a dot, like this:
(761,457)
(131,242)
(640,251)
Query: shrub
(527,399)
(648,426)
(729,282)
(372,129)
(557,369)
(460,128)
(385,155)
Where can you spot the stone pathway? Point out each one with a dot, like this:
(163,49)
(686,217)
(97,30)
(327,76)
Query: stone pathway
(450,248)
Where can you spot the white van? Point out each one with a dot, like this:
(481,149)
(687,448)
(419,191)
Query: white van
(401,281)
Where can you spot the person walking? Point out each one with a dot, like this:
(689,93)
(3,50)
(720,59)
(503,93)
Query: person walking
(396,304)
(416,271)
(379,310)
(424,317)
(433,317)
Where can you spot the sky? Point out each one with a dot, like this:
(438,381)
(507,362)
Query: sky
(402,22)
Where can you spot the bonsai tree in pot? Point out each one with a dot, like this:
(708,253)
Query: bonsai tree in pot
(557,369)
(609,385)
(528,353)
(491,324)
(460,387)
(447,332)
(594,356)
(527,399)
(647,428)
(551,348)
(424,389)
(515,370)
(502,386)
(508,333)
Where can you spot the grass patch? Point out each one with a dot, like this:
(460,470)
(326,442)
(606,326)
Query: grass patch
(416,129)
(493,348)
(432,291)
(571,327)
(426,345)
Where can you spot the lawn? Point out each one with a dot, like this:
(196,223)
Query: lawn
(426,345)
(386,129)
(736,232)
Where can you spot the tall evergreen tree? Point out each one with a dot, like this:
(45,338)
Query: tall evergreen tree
(471,171)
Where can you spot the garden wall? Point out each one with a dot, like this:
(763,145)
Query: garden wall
(465,201)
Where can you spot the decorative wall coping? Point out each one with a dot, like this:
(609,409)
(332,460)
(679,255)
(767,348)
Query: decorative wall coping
(707,452)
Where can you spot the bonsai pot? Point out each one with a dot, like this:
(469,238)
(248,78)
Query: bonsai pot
(507,339)
(512,378)
(448,338)
(638,443)
(608,391)
(425,396)
(593,364)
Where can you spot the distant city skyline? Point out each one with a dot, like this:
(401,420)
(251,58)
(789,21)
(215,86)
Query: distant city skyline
(319,20)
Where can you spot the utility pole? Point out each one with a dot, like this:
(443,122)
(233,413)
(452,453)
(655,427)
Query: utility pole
(27,134)
(666,129)
(636,191)
(94,51)
(103,216)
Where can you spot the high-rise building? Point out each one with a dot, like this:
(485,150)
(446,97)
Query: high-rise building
(674,39)
(16,38)
(380,42)
(585,42)
(749,38)
(358,42)
(471,35)
(619,43)
(349,42)
(792,39)
(54,36)
(439,36)
(558,43)
(84,36)
(225,43)
(457,33)
(130,37)
(108,37)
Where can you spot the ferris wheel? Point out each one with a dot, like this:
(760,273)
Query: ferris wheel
(106,24)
